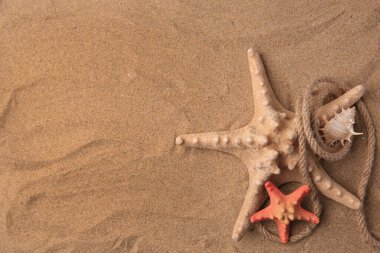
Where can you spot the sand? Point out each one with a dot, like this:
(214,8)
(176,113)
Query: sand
(92,94)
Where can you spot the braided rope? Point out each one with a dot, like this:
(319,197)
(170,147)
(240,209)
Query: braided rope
(308,137)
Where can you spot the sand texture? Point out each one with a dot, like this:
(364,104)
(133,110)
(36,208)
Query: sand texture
(93,93)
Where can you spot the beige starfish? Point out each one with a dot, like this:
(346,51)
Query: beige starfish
(268,147)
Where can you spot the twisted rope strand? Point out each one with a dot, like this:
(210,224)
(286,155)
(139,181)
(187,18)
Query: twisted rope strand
(362,189)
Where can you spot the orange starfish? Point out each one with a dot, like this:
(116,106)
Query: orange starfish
(285,208)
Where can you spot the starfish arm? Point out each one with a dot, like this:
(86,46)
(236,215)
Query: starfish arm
(331,189)
(264,214)
(224,140)
(252,201)
(264,98)
(283,231)
(328,111)
(300,193)
(273,192)
(302,214)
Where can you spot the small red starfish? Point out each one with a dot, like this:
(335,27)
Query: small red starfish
(285,208)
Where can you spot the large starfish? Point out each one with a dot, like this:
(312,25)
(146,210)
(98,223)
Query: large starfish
(267,145)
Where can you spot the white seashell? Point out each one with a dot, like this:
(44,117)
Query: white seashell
(340,127)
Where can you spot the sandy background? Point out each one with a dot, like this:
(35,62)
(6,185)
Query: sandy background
(92,94)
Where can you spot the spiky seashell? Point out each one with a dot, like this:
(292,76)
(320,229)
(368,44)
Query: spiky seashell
(340,127)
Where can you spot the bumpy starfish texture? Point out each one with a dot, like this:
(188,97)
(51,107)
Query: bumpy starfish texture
(285,208)
(268,145)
